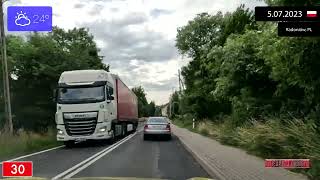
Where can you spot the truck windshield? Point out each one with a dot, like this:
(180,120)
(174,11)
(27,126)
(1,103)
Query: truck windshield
(81,95)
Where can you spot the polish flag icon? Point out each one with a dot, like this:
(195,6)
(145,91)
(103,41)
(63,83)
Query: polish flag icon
(312,14)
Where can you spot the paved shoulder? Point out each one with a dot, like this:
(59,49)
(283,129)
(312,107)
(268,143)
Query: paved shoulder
(227,162)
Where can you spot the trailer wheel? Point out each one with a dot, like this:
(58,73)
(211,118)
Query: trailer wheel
(124,130)
(135,125)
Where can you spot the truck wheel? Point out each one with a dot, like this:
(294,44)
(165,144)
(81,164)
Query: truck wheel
(69,144)
(112,139)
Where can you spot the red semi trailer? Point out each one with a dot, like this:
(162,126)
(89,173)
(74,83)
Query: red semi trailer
(94,104)
(127,105)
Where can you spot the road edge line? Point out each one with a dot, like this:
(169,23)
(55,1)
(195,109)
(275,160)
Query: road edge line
(32,154)
(66,172)
(97,158)
(205,165)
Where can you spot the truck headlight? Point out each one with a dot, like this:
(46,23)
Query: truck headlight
(60,132)
(56,118)
(103,129)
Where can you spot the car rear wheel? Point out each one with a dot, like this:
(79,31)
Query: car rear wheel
(145,137)
(169,137)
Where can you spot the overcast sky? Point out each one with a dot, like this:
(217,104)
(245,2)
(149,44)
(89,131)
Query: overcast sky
(136,37)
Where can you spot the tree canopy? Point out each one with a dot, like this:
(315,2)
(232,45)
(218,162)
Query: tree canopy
(145,109)
(242,68)
(36,63)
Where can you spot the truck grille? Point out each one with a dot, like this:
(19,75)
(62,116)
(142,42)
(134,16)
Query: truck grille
(84,126)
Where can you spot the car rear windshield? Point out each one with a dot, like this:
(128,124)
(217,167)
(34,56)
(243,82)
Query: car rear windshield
(157,120)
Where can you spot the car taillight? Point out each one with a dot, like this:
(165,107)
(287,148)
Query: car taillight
(145,127)
(168,127)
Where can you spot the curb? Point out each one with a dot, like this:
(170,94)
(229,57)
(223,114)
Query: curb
(204,164)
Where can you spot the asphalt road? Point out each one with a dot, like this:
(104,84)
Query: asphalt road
(129,157)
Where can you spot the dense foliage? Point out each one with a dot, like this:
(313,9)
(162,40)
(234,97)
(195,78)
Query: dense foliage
(244,69)
(36,63)
(145,109)
(242,73)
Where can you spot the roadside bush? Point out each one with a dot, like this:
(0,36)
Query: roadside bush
(204,132)
(228,135)
(292,139)
(266,140)
(285,139)
(25,142)
(295,139)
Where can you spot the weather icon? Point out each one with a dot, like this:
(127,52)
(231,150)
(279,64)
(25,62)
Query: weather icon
(22,19)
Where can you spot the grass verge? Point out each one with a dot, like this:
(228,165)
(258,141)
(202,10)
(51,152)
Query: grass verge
(290,139)
(25,143)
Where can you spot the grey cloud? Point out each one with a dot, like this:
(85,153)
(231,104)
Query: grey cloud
(132,19)
(56,15)
(107,0)
(96,10)
(78,6)
(144,71)
(114,9)
(159,72)
(162,86)
(158,12)
(136,78)
(123,45)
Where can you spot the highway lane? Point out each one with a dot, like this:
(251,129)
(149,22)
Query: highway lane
(146,159)
(133,158)
(51,163)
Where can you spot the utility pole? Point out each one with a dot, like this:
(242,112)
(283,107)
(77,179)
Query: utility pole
(181,86)
(170,108)
(179,81)
(3,74)
(170,101)
(6,88)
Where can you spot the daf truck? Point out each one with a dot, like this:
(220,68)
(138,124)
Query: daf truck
(93,105)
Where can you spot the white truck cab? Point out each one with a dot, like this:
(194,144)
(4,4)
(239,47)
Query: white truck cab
(86,106)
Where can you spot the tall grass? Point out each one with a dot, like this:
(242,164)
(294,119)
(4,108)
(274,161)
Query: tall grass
(283,139)
(293,139)
(25,142)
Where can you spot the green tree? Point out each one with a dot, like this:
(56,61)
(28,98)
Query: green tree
(37,63)
(158,111)
(247,74)
(151,108)
(200,37)
(175,104)
(142,101)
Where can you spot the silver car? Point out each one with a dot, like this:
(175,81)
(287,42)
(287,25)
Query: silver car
(157,126)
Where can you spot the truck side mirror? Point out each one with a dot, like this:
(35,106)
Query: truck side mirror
(110,97)
(110,90)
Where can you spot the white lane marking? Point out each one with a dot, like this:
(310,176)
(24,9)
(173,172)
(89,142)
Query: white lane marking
(59,176)
(94,160)
(28,155)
